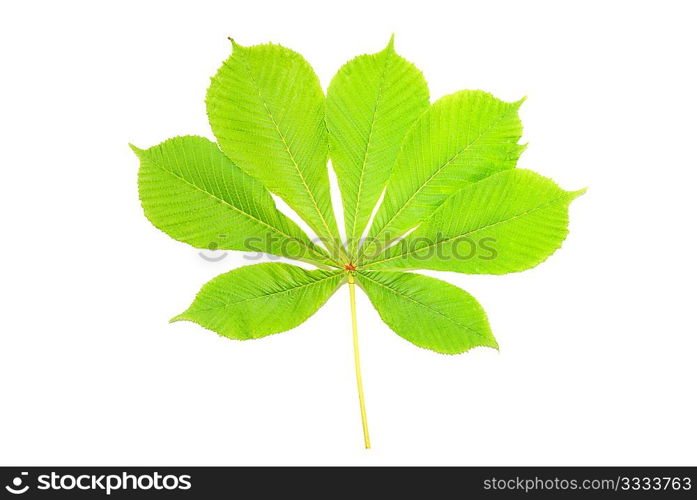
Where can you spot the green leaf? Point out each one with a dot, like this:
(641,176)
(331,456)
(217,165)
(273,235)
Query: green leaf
(463,138)
(259,300)
(428,312)
(190,190)
(371,103)
(506,223)
(446,171)
(266,108)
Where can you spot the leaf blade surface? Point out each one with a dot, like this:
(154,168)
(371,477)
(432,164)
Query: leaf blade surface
(428,312)
(508,222)
(266,108)
(462,138)
(262,299)
(371,103)
(190,190)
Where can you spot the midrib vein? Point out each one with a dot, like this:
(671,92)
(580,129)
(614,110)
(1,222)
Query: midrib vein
(242,212)
(472,231)
(426,306)
(288,150)
(263,296)
(437,171)
(367,146)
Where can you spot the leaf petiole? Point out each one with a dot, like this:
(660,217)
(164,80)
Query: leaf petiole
(357,360)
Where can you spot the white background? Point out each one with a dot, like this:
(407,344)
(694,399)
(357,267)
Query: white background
(598,345)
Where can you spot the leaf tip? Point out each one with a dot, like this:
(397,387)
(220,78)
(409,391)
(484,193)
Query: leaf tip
(390,44)
(235,45)
(520,102)
(491,342)
(576,194)
(136,149)
(178,317)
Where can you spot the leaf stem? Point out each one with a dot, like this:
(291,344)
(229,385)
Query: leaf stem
(357,360)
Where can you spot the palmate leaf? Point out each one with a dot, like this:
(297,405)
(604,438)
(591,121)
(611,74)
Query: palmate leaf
(447,171)
(266,108)
(505,223)
(371,103)
(190,190)
(428,312)
(464,137)
(259,300)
